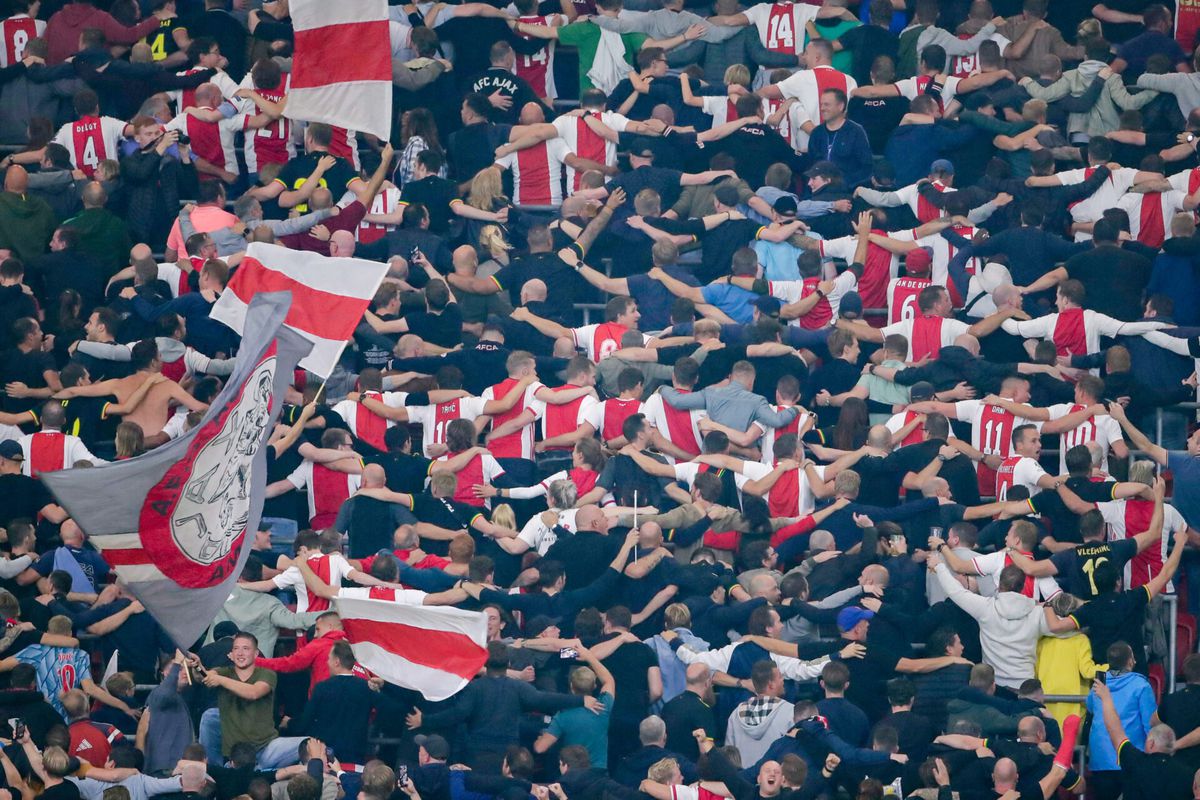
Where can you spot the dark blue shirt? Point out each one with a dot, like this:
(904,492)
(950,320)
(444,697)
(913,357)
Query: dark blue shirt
(848,147)
(653,299)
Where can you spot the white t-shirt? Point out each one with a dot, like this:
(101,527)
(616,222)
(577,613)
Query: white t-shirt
(541,537)
(1106,197)
(951,329)
(1101,429)
(781,26)
(291,578)
(436,418)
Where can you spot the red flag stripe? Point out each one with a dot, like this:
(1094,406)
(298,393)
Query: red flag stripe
(323,314)
(358,51)
(126,556)
(455,653)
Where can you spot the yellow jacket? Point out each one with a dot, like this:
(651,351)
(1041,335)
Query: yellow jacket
(1065,666)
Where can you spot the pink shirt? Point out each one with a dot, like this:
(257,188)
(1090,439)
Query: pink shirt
(205,219)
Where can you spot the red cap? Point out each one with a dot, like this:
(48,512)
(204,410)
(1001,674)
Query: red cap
(918,260)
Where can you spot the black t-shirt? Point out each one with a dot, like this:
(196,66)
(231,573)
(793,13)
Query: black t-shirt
(628,665)
(1077,565)
(1064,522)
(1117,616)
(660,179)
(958,471)
(1114,279)
(879,116)
(497,79)
(28,368)
(444,513)
(754,148)
(869,676)
(563,283)
(406,472)
(474,147)
(21,497)
(1181,710)
(296,171)
(86,418)
(436,194)
(866,43)
(63,791)
(1148,776)
(444,329)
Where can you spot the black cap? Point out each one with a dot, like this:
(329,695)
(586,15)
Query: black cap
(435,745)
(11,450)
(786,205)
(851,306)
(642,150)
(824,169)
(921,390)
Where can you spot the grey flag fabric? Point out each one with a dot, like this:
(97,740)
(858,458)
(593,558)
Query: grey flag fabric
(174,522)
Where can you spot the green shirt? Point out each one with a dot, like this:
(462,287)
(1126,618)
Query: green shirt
(843,60)
(583,727)
(247,720)
(585,37)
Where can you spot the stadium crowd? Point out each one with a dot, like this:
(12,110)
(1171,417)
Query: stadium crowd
(795,387)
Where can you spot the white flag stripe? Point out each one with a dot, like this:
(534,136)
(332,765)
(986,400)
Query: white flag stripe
(136,573)
(306,16)
(350,105)
(349,277)
(117,541)
(434,684)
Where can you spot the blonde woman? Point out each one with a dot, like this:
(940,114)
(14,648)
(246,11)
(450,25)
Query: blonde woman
(719,106)
(1064,661)
(495,248)
(130,441)
(485,203)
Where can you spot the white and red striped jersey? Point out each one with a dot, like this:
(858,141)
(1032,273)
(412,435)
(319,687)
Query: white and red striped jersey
(15,35)
(601,338)
(608,417)
(927,335)
(781,26)
(991,434)
(331,568)
(1101,429)
(567,417)
(680,427)
(1150,214)
(91,140)
(769,107)
(1017,470)
(1106,197)
(992,564)
(825,311)
(327,490)
(482,468)
(910,88)
(799,425)
(897,422)
(385,202)
(880,267)
(1187,181)
(921,208)
(806,86)
(272,144)
(353,414)
(792,494)
(1126,519)
(212,141)
(186,98)
(518,444)
(942,253)
(537,172)
(174,277)
(586,143)
(967,65)
(902,298)
(50,451)
(1077,331)
(537,69)
(720,107)
(437,417)
(751,471)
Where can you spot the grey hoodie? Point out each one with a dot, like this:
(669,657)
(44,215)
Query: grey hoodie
(1009,627)
(755,725)
(1105,115)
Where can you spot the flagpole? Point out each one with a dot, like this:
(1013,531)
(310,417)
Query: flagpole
(635,509)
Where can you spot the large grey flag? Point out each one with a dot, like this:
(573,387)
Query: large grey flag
(173,523)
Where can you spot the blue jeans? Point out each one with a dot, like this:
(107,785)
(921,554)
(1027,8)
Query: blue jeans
(210,735)
(281,752)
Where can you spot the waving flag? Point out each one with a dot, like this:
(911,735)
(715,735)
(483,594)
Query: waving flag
(173,522)
(431,649)
(329,296)
(342,64)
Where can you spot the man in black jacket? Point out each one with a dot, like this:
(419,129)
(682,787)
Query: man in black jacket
(154,181)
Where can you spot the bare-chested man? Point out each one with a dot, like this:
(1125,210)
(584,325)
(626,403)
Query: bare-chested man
(154,411)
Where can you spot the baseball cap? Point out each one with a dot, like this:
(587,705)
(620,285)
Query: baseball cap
(847,618)
(921,390)
(942,165)
(918,260)
(993,276)
(851,306)
(225,629)
(642,151)
(435,745)
(767,305)
(824,169)
(537,625)
(786,204)
(11,450)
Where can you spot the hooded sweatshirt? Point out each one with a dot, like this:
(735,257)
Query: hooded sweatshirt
(1134,700)
(26,224)
(1009,627)
(63,29)
(756,724)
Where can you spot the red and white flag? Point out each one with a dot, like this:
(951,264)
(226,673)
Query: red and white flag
(342,65)
(329,296)
(434,650)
